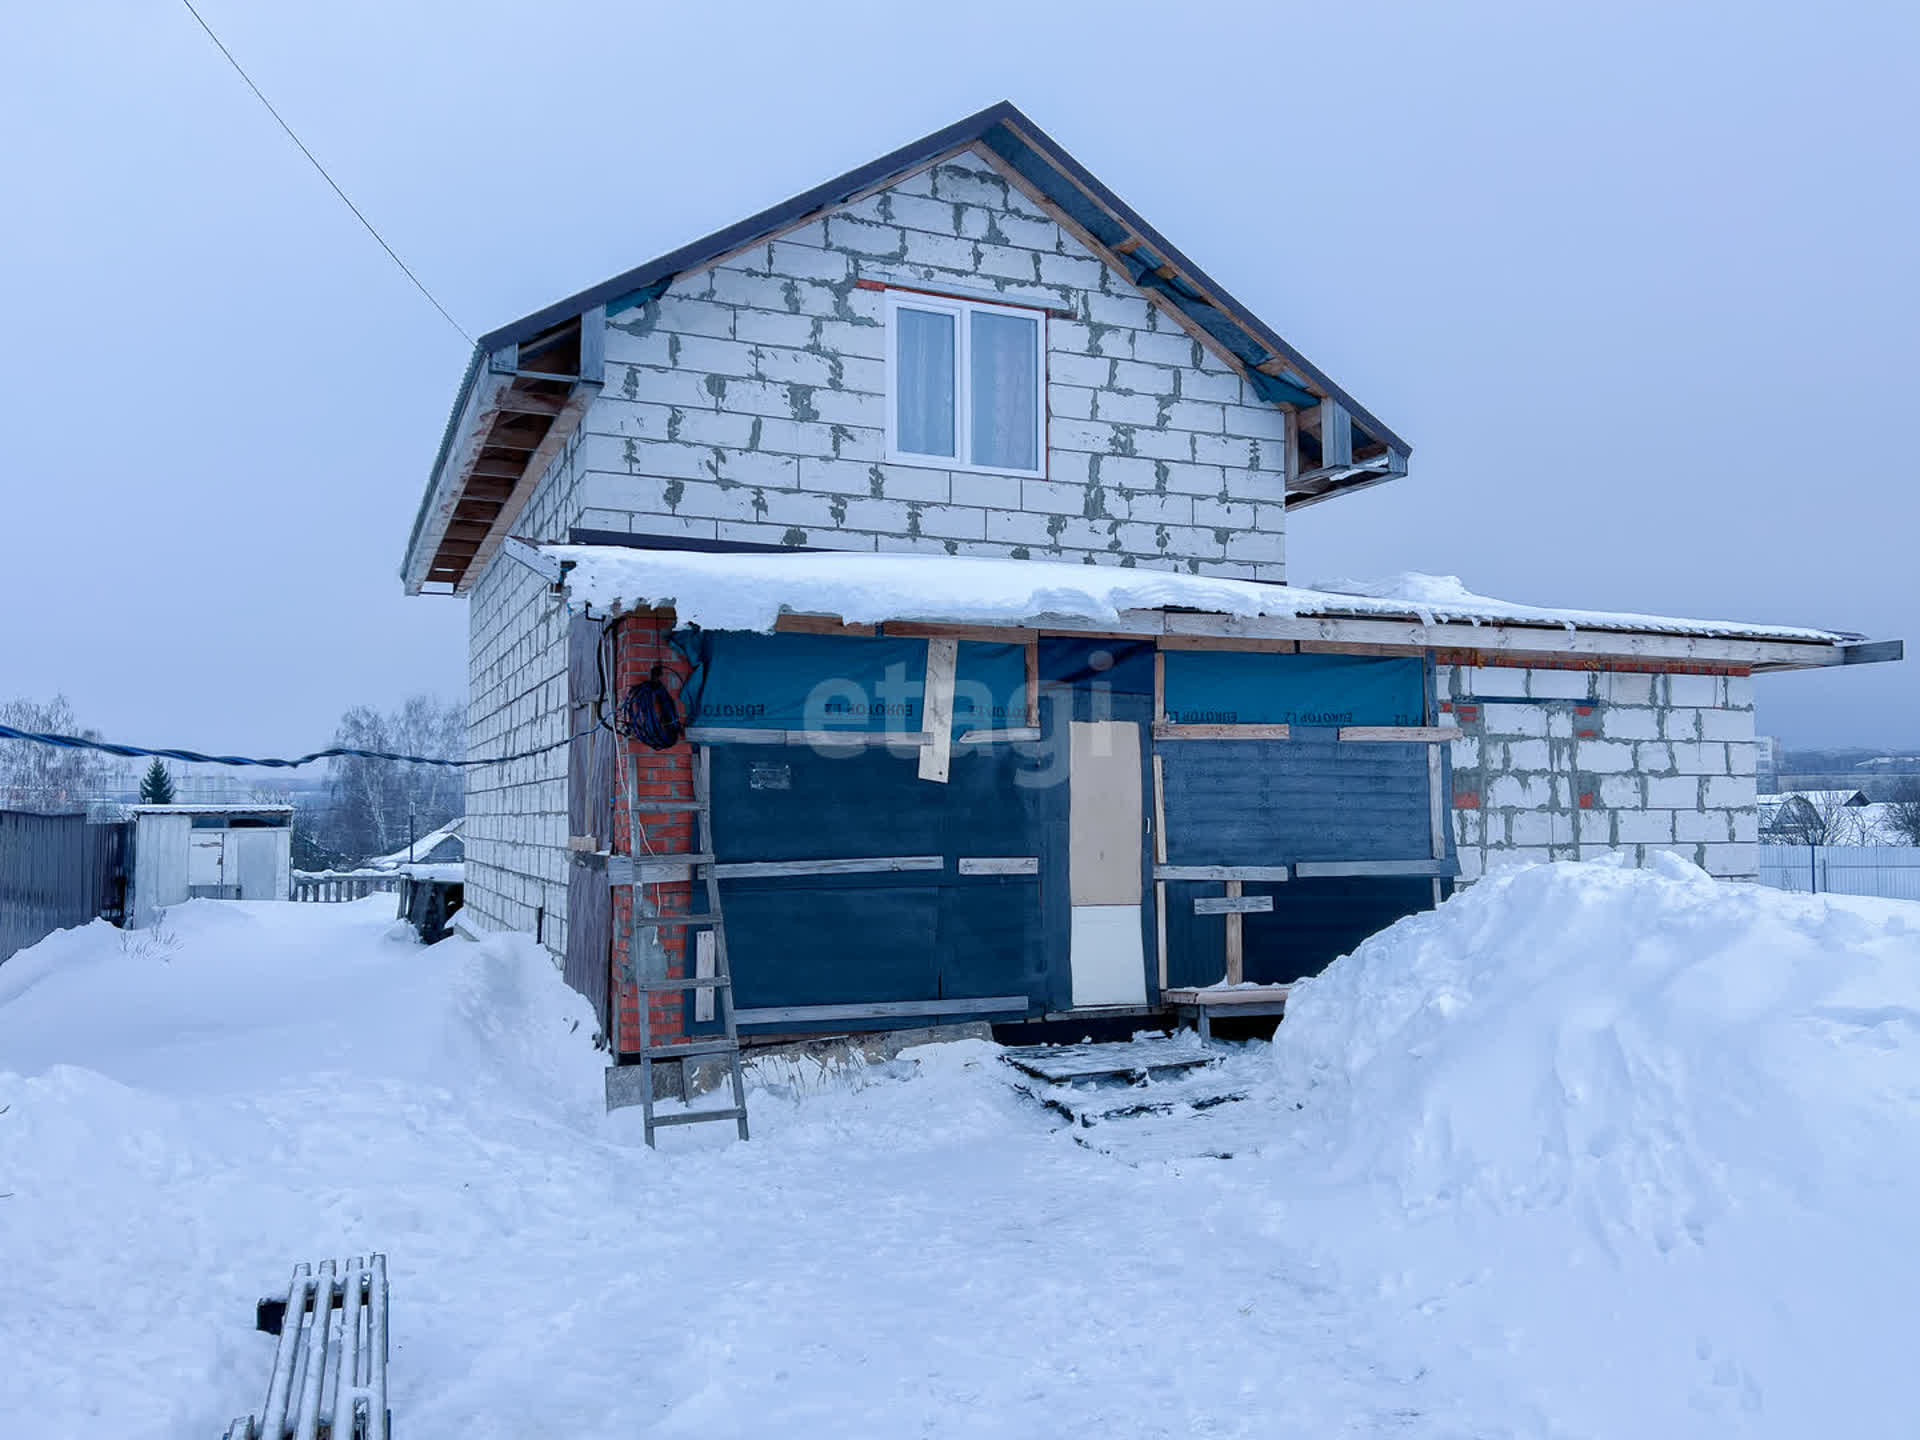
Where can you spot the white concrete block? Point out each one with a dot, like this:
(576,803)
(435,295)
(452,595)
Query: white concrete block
(1734,725)
(1623,792)
(1693,690)
(1623,688)
(1559,684)
(1517,720)
(1626,723)
(1696,758)
(1730,792)
(1602,756)
(1679,792)
(1636,827)
(1680,723)
(1733,860)
(1526,755)
(1703,825)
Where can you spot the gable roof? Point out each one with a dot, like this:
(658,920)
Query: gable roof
(1029,159)
(1148,260)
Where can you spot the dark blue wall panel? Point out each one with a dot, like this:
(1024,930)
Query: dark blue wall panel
(1312,923)
(912,935)
(1274,802)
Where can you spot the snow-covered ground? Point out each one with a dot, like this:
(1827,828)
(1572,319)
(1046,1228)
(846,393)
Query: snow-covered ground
(1587,1152)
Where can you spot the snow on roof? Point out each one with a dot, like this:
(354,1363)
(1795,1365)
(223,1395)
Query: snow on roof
(233,808)
(750,591)
(420,846)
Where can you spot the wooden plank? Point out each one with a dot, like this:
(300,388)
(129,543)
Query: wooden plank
(1027,733)
(999,864)
(1323,647)
(825,739)
(1209,642)
(936,755)
(1236,936)
(823,1014)
(650,868)
(1325,869)
(1233,904)
(1215,998)
(1033,685)
(1436,802)
(1223,872)
(1160,925)
(1159,687)
(1418,734)
(1493,638)
(818,625)
(1135,1058)
(1168,730)
(864,865)
(933,629)
(703,953)
(1159,810)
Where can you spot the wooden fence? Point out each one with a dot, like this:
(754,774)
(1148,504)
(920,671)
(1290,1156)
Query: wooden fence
(57,871)
(329,886)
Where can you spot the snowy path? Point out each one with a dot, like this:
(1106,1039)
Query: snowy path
(926,1253)
(1586,1152)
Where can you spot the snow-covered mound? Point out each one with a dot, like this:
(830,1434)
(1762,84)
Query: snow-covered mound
(1657,1134)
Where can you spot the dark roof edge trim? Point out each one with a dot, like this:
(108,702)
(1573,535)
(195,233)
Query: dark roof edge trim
(1064,161)
(824,196)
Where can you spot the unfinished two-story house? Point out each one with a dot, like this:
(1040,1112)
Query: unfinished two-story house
(948,502)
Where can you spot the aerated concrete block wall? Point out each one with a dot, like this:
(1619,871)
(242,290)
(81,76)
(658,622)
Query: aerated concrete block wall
(748,402)
(1574,764)
(516,830)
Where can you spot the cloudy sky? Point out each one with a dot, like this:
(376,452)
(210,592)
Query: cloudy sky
(1637,281)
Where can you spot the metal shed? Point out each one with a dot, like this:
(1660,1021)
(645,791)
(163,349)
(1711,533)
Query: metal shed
(222,852)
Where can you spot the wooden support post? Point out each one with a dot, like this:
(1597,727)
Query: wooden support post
(1236,939)
(1033,682)
(1159,686)
(1160,858)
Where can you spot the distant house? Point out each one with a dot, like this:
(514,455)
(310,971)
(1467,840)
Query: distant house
(442,846)
(1815,817)
(950,500)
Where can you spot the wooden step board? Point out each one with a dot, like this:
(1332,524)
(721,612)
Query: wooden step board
(1127,1060)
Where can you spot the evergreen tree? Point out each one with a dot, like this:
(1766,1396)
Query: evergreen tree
(156,786)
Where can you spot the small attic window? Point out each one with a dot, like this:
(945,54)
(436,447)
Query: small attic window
(965,384)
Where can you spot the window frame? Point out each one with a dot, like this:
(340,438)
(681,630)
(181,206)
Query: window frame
(962,309)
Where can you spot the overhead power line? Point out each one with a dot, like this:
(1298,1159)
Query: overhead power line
(81,742)
(417,282)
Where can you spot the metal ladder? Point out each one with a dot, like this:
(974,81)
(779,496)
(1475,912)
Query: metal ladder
(648,867)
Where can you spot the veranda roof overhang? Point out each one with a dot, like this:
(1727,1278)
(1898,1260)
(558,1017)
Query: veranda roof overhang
(904,592)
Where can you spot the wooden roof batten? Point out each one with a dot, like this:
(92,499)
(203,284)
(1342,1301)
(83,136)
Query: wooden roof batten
(515,414)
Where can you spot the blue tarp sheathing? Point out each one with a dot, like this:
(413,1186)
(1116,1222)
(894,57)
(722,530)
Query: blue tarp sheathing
(838,682)
(1228,687)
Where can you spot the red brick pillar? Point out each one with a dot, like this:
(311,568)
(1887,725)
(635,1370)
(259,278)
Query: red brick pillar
(641,643)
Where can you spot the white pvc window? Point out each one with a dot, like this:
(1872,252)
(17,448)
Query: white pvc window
(966,386)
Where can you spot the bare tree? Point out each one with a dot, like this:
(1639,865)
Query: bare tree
(48,777)
(1903,812)
(1819,817)
(373,802)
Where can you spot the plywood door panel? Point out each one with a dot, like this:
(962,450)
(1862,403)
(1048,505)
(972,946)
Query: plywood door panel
(1104,814)
(1106,833)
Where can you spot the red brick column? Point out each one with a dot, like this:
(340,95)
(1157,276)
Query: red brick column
(640,643)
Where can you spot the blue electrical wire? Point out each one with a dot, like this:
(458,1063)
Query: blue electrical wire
(78,742)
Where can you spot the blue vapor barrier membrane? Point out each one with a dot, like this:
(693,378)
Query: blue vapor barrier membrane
(1239,687)
(849,682)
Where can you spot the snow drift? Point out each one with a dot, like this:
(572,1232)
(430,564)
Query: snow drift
(1645,1141)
